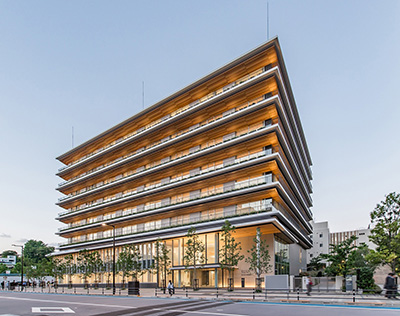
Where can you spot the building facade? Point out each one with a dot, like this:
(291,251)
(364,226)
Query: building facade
(321,240)
(10,261)
(230,146)
(361,234)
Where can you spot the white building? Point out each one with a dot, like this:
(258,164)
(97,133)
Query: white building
(321,240)
(10,261)
(362,237)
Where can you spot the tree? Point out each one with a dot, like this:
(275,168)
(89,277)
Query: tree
(386,232)
(97,265)
(229,255)
(315,264)
(70,267)
(108,268)
(125,262)
(338,257)
(360,263)
(194,254)
(57,268)
(36,250)
(161,261)
(137,268)
(3,268)
(85,264)
(6,253)
(259,257)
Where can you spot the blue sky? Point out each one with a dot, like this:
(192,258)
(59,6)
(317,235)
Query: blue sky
(82,63)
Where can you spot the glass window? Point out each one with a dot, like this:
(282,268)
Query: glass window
(211,248)
(281,257)
(176,257)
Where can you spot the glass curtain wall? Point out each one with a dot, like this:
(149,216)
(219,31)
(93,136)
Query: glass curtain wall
(281,256)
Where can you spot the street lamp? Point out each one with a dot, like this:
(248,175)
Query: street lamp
(113,266)
(22,264)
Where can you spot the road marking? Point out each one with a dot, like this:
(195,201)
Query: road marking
(64,302)
(60,310)
(120,306)
(8,315)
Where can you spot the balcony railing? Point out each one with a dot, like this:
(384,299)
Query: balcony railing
(177,178)
(190,221)
(175,113)
(240,108)
(241,133)
(210,192)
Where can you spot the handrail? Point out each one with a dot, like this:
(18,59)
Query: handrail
(244,106)
(159,183)
(240,133)
(261,209)
(175,113)
(236,186)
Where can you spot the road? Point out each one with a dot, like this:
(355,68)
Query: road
(22,304)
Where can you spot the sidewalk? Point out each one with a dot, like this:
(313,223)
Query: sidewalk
(248,295)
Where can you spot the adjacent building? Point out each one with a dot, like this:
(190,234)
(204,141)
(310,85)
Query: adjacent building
(229,146)
(321,240)
(361,234)
(9,261)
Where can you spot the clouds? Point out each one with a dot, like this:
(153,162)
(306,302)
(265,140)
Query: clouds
(3,235)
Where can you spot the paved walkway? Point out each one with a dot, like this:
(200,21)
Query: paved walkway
(325,298)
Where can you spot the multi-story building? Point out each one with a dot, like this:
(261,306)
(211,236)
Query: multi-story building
(361,234)
(321,238)
(228,146)
(10,261)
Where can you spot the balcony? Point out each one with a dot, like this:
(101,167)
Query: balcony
(203,195)
(153,125)
(269,207)
(239,134)
(176,179)
(172,138)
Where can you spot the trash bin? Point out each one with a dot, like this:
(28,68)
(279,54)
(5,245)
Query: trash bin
(133,288)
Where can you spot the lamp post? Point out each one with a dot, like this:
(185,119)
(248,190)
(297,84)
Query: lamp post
(22,265)
(113,266)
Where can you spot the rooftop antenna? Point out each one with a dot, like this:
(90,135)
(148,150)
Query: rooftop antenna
(267,20)
(72,137)
(143,94)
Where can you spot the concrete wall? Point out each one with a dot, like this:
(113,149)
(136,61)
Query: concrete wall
(297,259)
(243,267)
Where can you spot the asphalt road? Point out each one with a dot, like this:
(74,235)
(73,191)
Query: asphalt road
(21,304)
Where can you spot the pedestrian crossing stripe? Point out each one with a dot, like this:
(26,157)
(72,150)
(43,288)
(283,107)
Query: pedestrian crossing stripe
(51,310)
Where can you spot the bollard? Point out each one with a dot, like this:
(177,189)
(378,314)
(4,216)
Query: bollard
(254,294)
(354,296)
(186,292)
(155,292)
(75,290)
(298,294)
(63,290)
(265,294)
(102,290)
(217,292)
(87,290)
